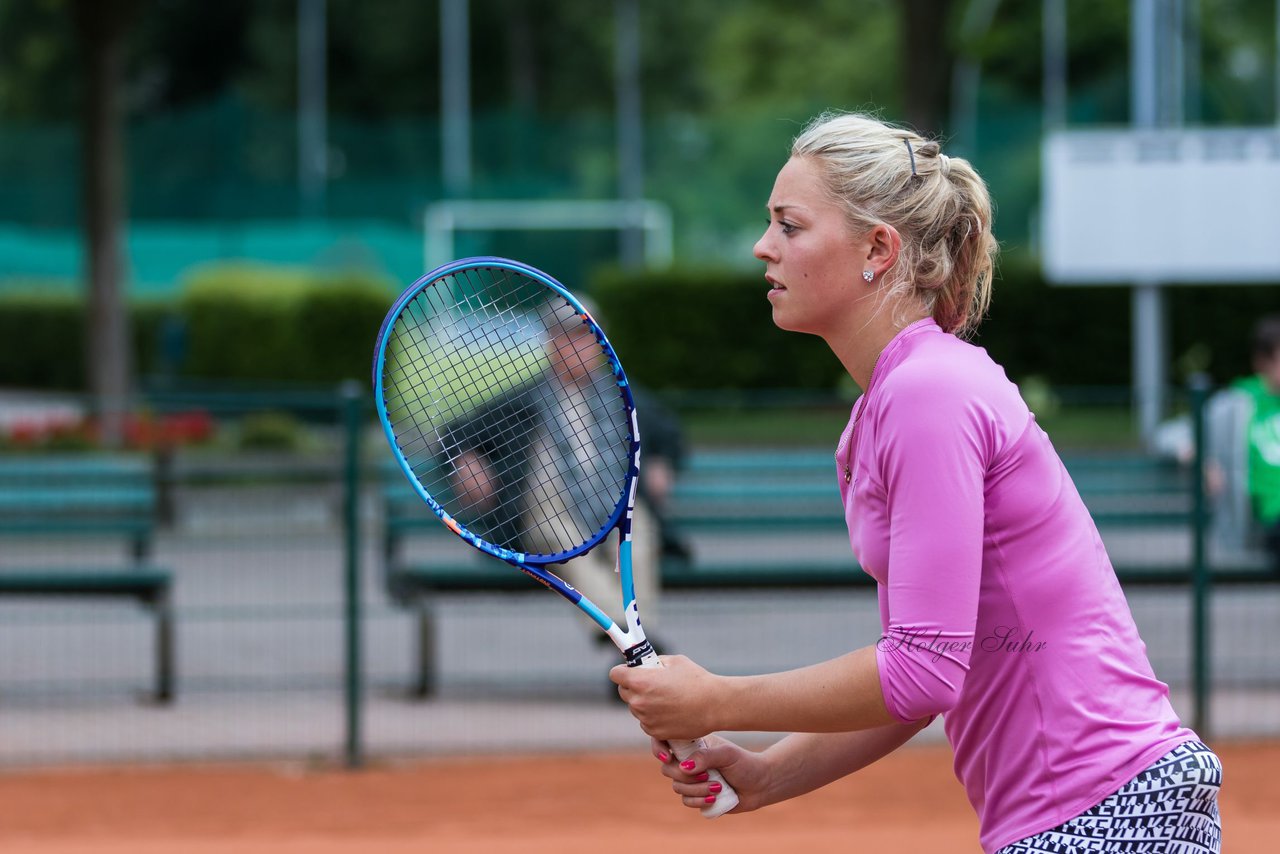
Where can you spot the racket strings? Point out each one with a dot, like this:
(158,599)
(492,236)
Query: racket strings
(505,406)
(506,440)
(422,448)
(569,503)
(553,489)
(420,414)
(585,428)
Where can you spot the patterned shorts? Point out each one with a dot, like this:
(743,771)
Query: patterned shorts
(1170,808)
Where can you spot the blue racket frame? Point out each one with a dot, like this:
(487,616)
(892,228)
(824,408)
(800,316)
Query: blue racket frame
(631,639)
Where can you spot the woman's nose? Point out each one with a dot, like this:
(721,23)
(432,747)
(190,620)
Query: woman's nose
(762,249)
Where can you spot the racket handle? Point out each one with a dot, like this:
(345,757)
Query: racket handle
(727,798)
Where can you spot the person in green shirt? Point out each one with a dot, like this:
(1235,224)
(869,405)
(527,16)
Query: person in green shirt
(1263,432)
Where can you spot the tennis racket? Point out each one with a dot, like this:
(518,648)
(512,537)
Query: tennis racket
(508,411)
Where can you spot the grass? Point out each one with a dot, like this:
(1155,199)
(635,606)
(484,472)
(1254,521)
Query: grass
(762,427)
(1092,428)
(1075,427)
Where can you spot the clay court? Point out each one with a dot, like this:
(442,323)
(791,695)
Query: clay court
(557,803)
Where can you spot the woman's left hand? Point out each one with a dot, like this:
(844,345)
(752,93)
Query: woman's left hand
(679,700)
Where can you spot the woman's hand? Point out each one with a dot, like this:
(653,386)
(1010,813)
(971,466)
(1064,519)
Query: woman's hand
(746,771)
(679,700)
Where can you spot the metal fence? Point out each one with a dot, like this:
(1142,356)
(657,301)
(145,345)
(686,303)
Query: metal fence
(220,181)
(289,643)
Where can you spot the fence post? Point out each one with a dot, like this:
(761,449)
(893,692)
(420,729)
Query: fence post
(1200,574)
(352,402)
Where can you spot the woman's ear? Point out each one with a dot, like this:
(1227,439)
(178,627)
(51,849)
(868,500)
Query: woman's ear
(883,245)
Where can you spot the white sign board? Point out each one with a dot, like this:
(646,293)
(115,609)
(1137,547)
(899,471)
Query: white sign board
(1163,206)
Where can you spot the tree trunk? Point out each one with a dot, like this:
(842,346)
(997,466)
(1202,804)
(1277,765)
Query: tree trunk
(927,60)
(522,58)
(100,26)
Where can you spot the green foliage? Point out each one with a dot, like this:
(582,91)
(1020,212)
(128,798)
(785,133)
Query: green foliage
(232,322)
(340,320)
(1210,328)
(706,329)
(712,329)
(247,322)
(44,333)
(39,60)
(241,321)
(683,329)
(770,55)
(555,57)
(1074,336)
(1063,335)
(1097,33)
(270,431)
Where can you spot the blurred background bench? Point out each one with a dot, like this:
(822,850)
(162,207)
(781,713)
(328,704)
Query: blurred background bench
(101,499)
(772,519)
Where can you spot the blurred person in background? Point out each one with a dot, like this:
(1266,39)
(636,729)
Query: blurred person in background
(487,467)
(1242,473)
(1000,609)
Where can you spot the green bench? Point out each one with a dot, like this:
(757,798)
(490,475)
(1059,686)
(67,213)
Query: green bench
(97,498)
(1154,494)
(717,493)
(748,494)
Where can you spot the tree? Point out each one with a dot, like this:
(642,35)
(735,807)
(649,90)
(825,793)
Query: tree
(928,58)
(101,28)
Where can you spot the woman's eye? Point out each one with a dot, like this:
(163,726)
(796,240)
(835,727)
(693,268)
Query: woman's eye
(787,227)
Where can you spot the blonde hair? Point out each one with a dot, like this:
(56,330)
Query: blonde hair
(939,205)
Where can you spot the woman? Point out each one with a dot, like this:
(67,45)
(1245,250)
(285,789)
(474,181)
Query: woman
(999,606)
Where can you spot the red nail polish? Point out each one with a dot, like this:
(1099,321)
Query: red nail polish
(715,788)
(703,777)
(711,799)
(664,757)
(687,765)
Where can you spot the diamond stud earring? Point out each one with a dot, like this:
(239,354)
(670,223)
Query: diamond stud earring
(868,275)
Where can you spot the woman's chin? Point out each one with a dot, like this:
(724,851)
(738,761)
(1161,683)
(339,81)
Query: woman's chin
(786,322)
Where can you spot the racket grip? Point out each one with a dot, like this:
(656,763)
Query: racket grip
(727,798)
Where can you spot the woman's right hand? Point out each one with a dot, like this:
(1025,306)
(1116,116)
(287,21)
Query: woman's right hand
(745,770)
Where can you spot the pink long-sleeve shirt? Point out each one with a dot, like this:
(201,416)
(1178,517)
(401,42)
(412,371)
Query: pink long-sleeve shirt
(1000,608)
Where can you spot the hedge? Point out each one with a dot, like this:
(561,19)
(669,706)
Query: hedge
(680,328)
(44,334)
(1073,336)
(230,322)
(262,323)
(706,329)
(703,329)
